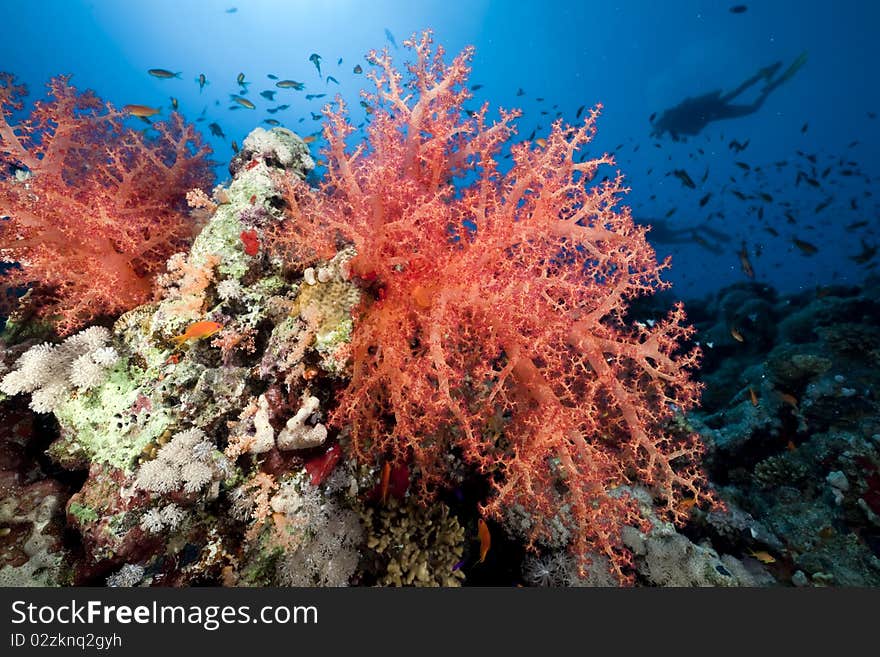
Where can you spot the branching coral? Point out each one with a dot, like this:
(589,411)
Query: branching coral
(418,546)
(94,208)
(496,320)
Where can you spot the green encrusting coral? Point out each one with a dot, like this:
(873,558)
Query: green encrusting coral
(111,423)
(82,512)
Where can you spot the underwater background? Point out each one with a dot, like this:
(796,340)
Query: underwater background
(635,58)
(230,422)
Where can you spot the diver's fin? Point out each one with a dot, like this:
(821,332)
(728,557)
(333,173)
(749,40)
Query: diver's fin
(794,68)
(715,234)
(769,71)
(789,72)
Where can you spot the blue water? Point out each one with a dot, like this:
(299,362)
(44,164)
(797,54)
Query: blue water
(636,58)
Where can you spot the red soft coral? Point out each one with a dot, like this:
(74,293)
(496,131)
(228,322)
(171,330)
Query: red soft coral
(496,326)
(92,208)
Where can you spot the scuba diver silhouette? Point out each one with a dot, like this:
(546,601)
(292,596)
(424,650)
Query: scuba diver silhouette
(662,232)
(691,115)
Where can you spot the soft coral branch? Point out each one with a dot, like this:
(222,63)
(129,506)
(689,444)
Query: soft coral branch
(93,208)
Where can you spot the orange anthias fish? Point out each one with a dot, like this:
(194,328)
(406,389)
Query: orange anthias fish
(736,335)
(163,74)
(763,556)
(753,395)
(198,331)
(383,483)
(244,102)
(791,400)
(141,111)
(745,263)
(485,539)
(687,504)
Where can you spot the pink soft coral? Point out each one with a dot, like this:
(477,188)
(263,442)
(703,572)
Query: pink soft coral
(496,325)
(93,208)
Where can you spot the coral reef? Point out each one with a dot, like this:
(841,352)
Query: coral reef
(802,456)
(173,433)
(338,384)
(307,323)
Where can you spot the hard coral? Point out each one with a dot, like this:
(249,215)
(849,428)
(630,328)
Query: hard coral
(496,325)
(93,208)
(414,545)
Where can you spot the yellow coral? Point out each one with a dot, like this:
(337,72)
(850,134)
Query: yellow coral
(421,545)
